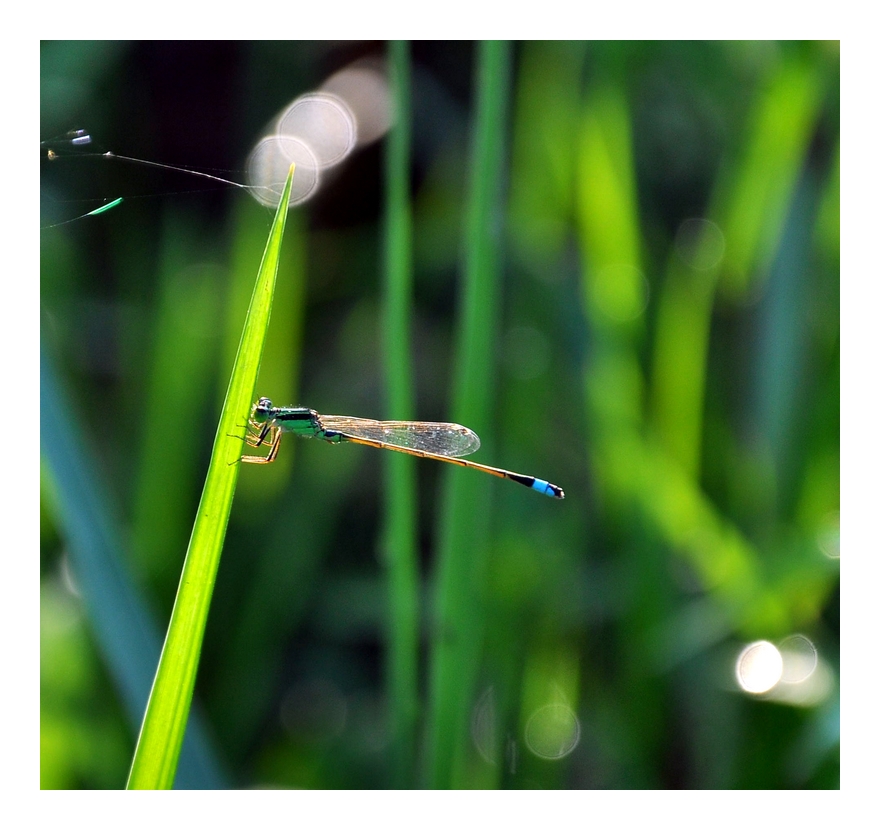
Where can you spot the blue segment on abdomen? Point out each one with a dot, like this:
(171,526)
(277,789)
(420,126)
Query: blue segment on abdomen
(543,487)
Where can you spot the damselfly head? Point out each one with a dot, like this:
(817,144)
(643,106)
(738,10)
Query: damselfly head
(261,409)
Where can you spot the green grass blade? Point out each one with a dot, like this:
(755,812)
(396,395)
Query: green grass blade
(252,647)
(750,205)
(156,755)
(612,282)
(464,527)
(399,541)
(753,198)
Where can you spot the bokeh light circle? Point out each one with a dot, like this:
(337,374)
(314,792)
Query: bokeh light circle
(700,244)
(324,123)
(620,291)
(269,163)
(759,667)
(553,731)
(828,536)
(364,88)
(799,658)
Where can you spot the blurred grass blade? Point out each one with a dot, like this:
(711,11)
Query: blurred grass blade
(156,755)
(750,204)
(399,540)
(183,367)
(464,527)
(547,112)
(753,198)
(127,633)
(612,281)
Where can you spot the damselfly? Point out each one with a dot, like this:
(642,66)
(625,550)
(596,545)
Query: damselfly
(442,442)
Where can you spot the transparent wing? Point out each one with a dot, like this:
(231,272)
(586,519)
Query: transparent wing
(450,440)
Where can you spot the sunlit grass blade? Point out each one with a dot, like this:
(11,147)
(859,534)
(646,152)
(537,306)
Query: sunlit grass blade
(158,748)
(252,645)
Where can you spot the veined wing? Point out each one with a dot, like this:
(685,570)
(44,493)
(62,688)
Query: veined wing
(450,440)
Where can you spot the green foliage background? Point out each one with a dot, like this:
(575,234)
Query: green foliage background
(519,258)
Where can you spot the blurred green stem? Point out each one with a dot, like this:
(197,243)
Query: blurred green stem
(126,631)
(749,205)
(464,532)
(399,541)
